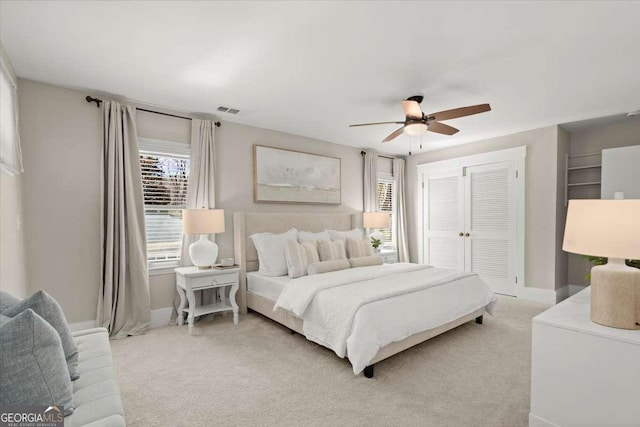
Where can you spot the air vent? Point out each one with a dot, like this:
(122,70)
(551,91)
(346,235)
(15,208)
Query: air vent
(228,110)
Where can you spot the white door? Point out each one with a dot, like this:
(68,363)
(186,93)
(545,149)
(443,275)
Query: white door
(443,219)
(490,224)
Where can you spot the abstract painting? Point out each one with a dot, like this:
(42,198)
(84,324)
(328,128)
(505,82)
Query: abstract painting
(287,176)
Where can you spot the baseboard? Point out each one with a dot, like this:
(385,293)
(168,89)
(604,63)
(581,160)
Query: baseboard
(159,318)
(567,291)
(535,421)
(545,296)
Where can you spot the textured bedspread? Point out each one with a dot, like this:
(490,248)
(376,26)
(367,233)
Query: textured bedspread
(356,312)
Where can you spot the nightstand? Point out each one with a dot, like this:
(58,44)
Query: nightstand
(388,256)
(192,279)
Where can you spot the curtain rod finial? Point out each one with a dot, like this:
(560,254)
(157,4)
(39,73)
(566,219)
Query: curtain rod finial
(89,98)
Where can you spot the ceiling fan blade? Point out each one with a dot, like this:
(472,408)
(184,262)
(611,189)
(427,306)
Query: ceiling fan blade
(441,128)
(393,135)
(412,109)
(377,123)
(459,112)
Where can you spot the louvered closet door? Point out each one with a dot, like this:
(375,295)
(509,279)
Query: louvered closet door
(443,220)
(490,222)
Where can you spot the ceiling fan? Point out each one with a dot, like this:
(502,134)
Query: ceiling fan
(416,122)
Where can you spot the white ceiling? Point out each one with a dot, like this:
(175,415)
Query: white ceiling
(314,68)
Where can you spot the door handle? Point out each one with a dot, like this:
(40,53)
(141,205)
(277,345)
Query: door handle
(461,234)
(466,234)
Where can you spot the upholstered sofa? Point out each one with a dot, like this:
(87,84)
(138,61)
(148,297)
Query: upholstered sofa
(95,394)
(35,370)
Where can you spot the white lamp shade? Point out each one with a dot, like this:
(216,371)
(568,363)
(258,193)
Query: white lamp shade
(603,228)
(375,219)
(415,129)
(203,221)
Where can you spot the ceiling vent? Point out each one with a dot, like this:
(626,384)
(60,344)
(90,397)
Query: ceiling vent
(228,110)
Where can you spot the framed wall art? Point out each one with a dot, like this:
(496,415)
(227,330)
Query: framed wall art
(288,176)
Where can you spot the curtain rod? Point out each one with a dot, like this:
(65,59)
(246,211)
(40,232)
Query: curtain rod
(98,101)
(362,153)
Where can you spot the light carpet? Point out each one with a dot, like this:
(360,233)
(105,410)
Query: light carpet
(256,373)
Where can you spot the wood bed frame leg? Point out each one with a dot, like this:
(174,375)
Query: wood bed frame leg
(368,371)
(292,332)
(479,320)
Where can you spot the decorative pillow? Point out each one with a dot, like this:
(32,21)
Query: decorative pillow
(328,266)
(356,233)
(359,248)
(7,301)
(299,256)
(49,309)
(307,236)
(365,261)
(271,258)
(33,370)
(331,250)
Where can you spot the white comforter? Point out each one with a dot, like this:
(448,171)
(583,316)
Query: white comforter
(360,310)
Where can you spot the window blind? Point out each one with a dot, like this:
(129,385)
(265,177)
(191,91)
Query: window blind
(385,204)
(10,153)
(164,182)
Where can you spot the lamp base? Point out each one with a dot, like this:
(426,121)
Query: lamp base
(203,252)
(615,295)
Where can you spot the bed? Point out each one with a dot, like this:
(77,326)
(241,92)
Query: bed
(377,320)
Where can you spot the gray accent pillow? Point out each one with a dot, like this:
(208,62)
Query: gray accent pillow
(49,309)
(33,369)
(7,301)
(365,261)
(328,266)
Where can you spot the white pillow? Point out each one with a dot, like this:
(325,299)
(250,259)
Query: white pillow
(271,257)
(307,236)
(356,234)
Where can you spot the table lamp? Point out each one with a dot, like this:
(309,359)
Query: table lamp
(611,229)
(375,221)
(203,252)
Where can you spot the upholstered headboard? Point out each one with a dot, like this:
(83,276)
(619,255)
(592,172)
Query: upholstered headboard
(247,223)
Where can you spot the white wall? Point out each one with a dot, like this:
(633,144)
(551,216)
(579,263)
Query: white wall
(541,245)
(13,270)
(61,144)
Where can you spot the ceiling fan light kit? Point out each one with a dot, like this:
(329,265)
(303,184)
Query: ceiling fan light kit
(416,122)
(415,129)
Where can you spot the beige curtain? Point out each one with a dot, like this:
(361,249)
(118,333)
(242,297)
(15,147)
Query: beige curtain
(124,306)
(400,211)
(200,190)
(370,182)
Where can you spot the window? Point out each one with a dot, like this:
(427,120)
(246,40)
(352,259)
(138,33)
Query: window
(385,204)
(10,154)
(165,175)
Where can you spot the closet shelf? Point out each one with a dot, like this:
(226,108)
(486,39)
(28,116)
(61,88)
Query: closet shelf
(575,168)
(580,184)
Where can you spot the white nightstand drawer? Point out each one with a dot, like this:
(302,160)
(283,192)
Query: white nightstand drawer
(389,257)
(218,279)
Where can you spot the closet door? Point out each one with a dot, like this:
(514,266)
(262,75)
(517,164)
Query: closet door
(443,221)
(490,224)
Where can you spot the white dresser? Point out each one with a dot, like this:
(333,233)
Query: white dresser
(583,374)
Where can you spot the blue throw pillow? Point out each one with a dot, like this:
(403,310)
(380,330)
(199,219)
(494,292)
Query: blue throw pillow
(49,309)
(33,369)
